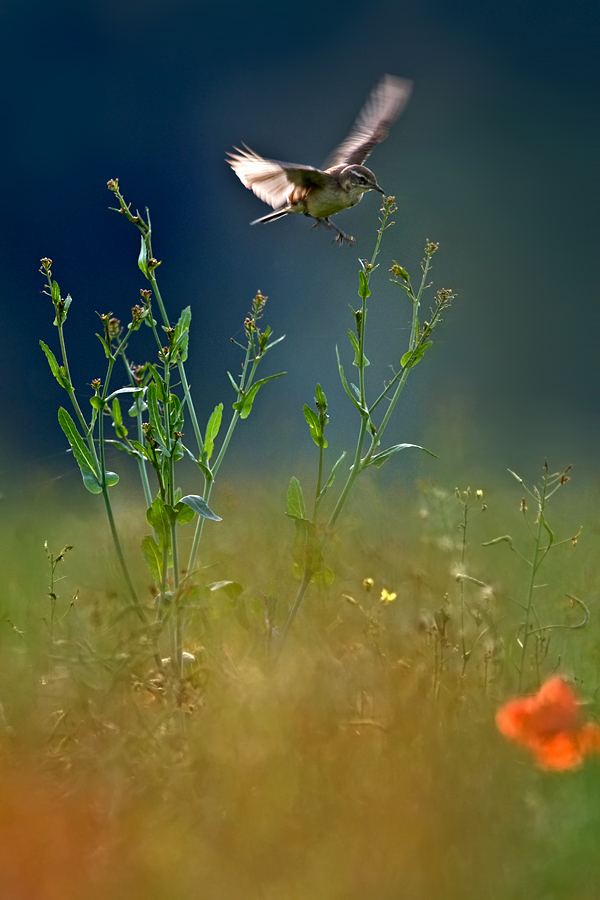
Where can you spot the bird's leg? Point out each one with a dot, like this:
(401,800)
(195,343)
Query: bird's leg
(341,237)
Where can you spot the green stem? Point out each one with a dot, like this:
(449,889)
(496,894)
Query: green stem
(317,502)
(180,364)
(535,564)
(245,383)
(353,475)
(141,461)
(294,609)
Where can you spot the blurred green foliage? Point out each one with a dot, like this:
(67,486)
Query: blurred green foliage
(362,765)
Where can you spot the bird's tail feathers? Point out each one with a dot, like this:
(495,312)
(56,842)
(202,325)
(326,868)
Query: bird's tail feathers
(271,217)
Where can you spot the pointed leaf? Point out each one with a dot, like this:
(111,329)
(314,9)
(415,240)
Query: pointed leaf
(332,474)
(296,507)
(185,513)
(233,589)
(81,453)
(143,259)
(153,557)
(200,506)
(363,286)
(356,346)
(244,406)
(412,357)
(212,430)
(314,424)
(236,386)
(181,335)
(158,520)
(154,414)
(59,372)
(380,458)
(321,400)
(345,384)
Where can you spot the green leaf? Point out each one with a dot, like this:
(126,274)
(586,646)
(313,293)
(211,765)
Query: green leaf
(154,414)
(61,309)
(412,357)
(55,292)
(185,513)
(139,406)
(324,575)
(296,507)
(141,450)
(272,344)
(212,430)
(206,470)
(125,390)
(59,372)
(158,519)
(161,387)
(321,400)
(90,482)
(181,334)
(314,424)
(143,259)
(363,286)
(80,452)
(306,550)
(153,557)
(345,384)
(233,589)
(107,352)
(111,479)
(200,506)
(175,413)
(244,406)
(236,386)
(97,402)
(120,429)
(380,458)
(332,474)
(356,346)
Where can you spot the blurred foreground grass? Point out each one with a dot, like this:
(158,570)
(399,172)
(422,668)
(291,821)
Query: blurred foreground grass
(361,765)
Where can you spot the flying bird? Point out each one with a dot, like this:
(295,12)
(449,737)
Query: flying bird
(321,193)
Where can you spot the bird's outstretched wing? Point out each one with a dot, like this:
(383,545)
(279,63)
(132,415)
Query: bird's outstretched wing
(270,180)
(386,102)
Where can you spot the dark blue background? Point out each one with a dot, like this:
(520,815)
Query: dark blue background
(496,157)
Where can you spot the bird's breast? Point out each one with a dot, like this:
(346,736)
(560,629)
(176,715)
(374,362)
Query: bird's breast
(322,202)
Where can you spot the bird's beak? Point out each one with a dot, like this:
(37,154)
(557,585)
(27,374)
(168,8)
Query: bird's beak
(377,188)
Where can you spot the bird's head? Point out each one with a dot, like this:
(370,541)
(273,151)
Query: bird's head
(358,179)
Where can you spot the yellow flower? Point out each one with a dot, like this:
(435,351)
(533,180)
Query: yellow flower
(387,597)
(368,584)
(479,495)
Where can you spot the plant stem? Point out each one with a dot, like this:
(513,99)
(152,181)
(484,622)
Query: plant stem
(294,609)
(245,383)
(535,564)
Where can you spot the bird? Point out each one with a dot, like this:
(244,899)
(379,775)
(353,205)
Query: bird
(341,183)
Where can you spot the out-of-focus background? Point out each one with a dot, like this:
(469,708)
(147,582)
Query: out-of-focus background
(496,158)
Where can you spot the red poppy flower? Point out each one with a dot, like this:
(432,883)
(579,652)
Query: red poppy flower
(550,725)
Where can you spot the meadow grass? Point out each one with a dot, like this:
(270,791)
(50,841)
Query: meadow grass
(365,763)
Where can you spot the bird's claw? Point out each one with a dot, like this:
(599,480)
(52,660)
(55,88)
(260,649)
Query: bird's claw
(344,237)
